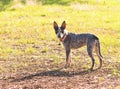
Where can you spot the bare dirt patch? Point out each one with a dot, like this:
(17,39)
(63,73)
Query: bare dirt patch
(60,79)
(43,72)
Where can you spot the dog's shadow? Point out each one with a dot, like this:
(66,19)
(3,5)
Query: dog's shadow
(54,73)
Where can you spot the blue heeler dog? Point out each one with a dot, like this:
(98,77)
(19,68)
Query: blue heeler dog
(71,40)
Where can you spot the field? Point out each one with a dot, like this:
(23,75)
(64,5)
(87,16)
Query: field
(30,57)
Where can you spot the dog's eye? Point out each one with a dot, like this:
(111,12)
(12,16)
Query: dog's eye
(56,31)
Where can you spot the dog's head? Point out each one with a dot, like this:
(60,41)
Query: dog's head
(61,32)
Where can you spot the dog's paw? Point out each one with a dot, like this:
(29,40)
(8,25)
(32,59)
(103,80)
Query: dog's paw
(66,66)
(91,69)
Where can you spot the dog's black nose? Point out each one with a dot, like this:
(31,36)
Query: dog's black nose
(59,43)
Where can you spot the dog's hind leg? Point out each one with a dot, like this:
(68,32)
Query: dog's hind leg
(97,49)
(90,45)
(92,58)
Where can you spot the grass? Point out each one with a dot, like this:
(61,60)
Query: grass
(22,28)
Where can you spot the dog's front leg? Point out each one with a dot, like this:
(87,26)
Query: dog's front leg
(68,59)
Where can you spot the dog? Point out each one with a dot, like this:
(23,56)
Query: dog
(74,41)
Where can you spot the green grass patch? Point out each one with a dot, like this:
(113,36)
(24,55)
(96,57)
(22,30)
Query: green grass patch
(30,50)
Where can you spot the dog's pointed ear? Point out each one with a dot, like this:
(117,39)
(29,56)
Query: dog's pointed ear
(55,25)
(63,26)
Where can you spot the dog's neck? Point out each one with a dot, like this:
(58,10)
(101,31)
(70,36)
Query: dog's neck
(64,36)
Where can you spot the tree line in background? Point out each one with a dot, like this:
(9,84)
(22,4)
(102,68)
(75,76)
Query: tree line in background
(4,4)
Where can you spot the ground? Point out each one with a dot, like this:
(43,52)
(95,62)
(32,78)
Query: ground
(30,57)
(63,80)
(48,74)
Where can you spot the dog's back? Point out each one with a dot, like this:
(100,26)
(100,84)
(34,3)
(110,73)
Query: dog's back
(78,40)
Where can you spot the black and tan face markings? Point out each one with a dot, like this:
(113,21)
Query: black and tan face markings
(60,31)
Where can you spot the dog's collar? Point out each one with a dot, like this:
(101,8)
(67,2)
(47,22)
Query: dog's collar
(63,38)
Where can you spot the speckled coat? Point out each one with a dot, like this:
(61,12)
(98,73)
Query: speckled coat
(71,40)
(74,41)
